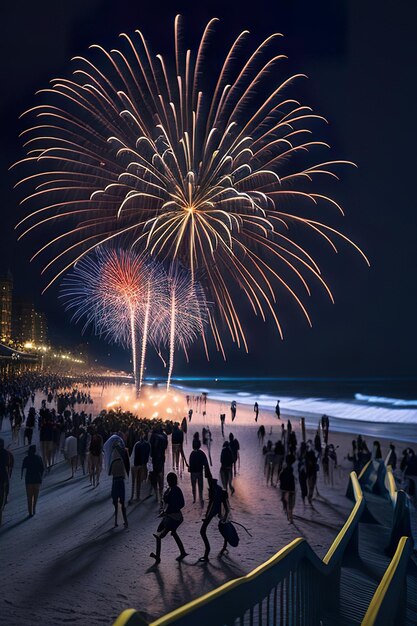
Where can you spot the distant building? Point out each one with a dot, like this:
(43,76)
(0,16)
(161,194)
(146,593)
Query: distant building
(40,336)
(23,320)
(6,298)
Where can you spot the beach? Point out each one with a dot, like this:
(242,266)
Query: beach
(69,560)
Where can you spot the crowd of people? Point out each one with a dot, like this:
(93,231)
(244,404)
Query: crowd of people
(142,450)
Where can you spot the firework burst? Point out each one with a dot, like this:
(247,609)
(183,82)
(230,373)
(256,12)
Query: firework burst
(133,148)
(112,291)
(183,315)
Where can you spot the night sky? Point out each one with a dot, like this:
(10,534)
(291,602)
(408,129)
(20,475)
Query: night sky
(361,59)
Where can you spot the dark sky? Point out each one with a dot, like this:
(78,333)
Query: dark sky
(361,59)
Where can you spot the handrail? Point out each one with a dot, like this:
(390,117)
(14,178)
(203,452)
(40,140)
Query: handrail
(294,566)
(383,608)
(351,523)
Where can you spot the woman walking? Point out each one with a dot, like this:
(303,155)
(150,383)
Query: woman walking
(34,467)
(172,518)
(287,485)
(119,469)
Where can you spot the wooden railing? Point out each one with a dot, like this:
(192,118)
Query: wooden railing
(388,604)
(293,588)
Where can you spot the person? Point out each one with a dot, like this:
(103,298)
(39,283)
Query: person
(268,466)
(376,451)
(256,411)
(95,458)
(325,427)
(278,410)
(277,461)
(190,414)
(6,467)
(71,453)
(172,518)
(177,439)
(311,473)
(83,444)
(34,467)
(158,443)
(261,434)
(283,436)
(119,469)
(226,464)
(197,463)
(140,457)
(184,427)
(317,444)
(302,471)
(233,409)
(29,426)
(207,439)
(287,486)
(222,421)
(235,447)
(218,505)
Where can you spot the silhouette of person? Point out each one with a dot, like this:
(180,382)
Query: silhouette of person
(172,518)
(218,506)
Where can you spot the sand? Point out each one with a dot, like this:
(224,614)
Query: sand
(68,565)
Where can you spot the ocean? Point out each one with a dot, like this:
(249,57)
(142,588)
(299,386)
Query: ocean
(366,405)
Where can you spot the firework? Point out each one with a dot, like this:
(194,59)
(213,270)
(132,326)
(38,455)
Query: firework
(112,291)
(183,315)
(222,178)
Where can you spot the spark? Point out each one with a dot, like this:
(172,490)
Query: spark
(222,179)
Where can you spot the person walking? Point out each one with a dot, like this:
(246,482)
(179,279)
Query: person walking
(35,468)
(233,409)
(235,447)
(95,458)
(140,457)
(184,427)
(29,426)
(302,471)
(158,443)
(177,440)
(71,453)
(222,421)
(6,468)
(119,469)
(256,411)
(278,410)
(197,463)
(172,518)
(226,465)
(311,473)
(287,486)
(218,506)
(83,444)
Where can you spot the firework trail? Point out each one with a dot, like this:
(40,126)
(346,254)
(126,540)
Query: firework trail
(112,291)
(222,178)
(182,316)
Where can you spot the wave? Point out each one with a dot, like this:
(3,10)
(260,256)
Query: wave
(398,402)
(354,409)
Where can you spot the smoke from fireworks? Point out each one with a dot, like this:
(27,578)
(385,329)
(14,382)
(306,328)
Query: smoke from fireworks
(133,148)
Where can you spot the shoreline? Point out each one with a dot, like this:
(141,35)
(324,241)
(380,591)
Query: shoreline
(404,432)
